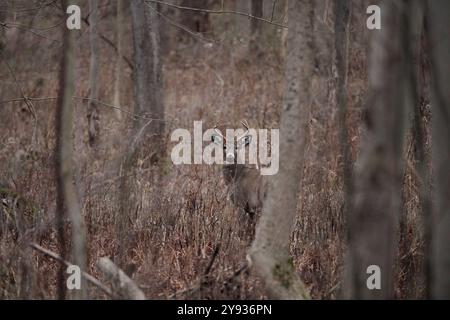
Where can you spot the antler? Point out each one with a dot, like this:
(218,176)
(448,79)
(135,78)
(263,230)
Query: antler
(245,124)
(218,132)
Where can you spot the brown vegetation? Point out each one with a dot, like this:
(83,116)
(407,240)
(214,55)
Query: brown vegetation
(184,237)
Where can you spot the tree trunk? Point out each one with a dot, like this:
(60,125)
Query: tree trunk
(257,11)
(413,25)
(270,250)
(242,24)
(439,24)
(118,72)
(374,209)
(341,27)
(195,21)
(147,77)
(93,116)
(284,31)
(256,27)
(67,203)
(149,127)
(423,153)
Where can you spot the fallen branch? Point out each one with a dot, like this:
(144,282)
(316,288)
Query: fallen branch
(86,275)
(125,286)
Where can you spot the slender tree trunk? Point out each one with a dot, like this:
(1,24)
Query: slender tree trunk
(26,272)
(413,26)
(149,127)
(341,27)
(374,209)
(195,21)
(270,250)
(242,24)
(93,116)
(148,98)
(284,31)
(67,203)
(256,27)
(423,153)
(118,72)
(257,11)
(439,24)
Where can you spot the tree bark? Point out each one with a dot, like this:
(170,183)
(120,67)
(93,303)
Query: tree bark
(256,32)
(439,35)
(242,24)
(341,27)
(257,11)
(148,105)
(413,26)
(93,116)
(148,99)
(67,203)
(194,20)
(119,68)
(375,205)
(284,31)
(270,249)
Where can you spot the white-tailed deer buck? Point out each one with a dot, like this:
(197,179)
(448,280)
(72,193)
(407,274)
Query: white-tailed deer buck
(247,188)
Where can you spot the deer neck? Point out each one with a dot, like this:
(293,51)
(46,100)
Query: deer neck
(234,172)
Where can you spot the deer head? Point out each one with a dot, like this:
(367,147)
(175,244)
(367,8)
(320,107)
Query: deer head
(230,148)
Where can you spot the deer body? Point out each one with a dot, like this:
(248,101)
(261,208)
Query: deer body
(247,188)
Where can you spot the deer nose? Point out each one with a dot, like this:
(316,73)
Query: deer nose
(230,157)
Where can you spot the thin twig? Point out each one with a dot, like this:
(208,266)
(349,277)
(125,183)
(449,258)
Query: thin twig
(102,103)
(8,25)
(12,10)
(22,26)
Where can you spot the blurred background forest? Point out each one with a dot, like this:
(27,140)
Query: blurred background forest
(172,228)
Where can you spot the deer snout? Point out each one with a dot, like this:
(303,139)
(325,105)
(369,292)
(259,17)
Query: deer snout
(229,157)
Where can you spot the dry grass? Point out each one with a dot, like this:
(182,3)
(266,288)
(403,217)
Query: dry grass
(181,214)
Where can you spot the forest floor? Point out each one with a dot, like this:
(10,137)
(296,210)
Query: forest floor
(186,240)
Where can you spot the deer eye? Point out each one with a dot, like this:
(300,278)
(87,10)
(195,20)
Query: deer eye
(216,139)
(244,141)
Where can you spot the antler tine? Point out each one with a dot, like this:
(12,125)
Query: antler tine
(217,131)
(245,124)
